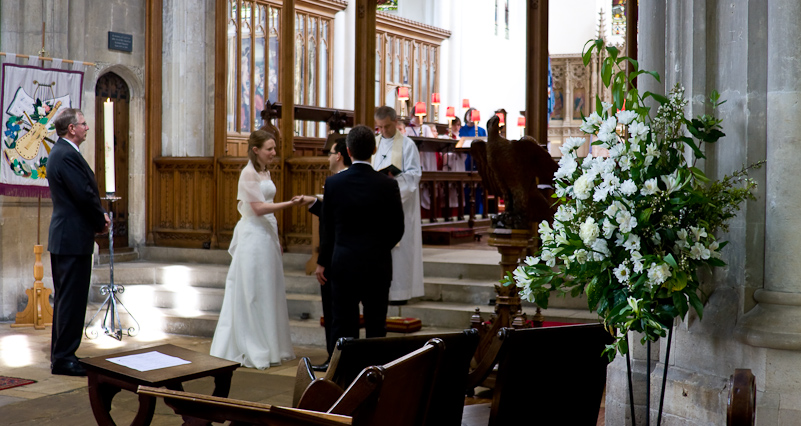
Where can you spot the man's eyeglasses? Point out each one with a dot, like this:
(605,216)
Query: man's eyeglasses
(332,153)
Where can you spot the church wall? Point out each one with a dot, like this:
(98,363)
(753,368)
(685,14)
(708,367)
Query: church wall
(721,46)
(76,30)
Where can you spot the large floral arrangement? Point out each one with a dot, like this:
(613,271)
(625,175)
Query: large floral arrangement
(633,229)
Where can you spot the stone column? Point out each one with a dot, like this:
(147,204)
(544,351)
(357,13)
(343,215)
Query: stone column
(651,52)
(776,320)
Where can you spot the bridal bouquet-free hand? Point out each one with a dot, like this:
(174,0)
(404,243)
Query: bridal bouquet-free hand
(632,229)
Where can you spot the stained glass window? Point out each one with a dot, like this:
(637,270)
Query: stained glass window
(619,17)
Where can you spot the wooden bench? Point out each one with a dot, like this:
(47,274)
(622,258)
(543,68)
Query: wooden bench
(554,374)
(352,355)
(395,394)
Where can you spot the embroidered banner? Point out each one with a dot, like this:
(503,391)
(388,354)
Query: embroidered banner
(31,98)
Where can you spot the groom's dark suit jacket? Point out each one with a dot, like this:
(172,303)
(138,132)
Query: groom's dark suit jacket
(77,213)
(362,222)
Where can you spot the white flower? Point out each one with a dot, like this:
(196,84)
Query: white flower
(561,238)
(588,231)
(698,252)
(713,249)
(632,243)
(581,256)
(608,165)
(651,152)
(620,239)
(583,185)
(617,150)
(525,293)
(698,233)
(600,249)
(601,192)
(605,106)
(622,273)
(564,213)
(521,277)
(626,116)
(636,261)
(41,111)
(635,145)
(608,126)
(658,274)
(612,210)
(682,241)
(634,304)
(571,144)
(588,160)
(624,162)
(548,257)
(609,228)
(626,221)
(546,233)
(650,187)
(656,239)
(567,165)
(628,187)
(638,129)
(561,191)
(531,261)
(672,182)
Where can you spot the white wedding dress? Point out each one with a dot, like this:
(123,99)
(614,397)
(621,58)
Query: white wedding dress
(253,328)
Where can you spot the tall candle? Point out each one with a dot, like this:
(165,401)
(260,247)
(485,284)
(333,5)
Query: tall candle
(108,136)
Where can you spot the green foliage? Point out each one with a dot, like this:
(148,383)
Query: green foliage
(633,229)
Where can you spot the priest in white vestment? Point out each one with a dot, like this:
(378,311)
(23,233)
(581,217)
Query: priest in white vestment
(394,148)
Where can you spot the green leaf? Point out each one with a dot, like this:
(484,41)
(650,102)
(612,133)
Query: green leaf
(715,262)
(598,104)
(645,215)
(606,72)
(670,260)
(586,56)
(659,98)
(699,174)
(680,281)
(696,303)
(613,52)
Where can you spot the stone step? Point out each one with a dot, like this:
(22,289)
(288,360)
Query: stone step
(203,324)
(128,255)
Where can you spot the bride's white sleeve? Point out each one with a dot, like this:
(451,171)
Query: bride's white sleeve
(249,189)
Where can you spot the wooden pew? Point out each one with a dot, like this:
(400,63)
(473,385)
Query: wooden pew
(352,355)
(555,375)
(395,394)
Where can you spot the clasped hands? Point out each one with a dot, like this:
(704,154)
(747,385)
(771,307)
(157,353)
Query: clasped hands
(302,200)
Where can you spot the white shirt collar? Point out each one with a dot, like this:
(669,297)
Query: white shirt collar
(362,162)
(73,144)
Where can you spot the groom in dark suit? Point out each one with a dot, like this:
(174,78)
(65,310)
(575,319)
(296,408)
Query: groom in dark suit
(362,221)
(77,217)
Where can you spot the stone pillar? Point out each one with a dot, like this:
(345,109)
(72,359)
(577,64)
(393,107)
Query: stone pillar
(340,60)
(651,52)
(776,320)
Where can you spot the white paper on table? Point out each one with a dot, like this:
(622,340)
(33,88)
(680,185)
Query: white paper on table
(148,361)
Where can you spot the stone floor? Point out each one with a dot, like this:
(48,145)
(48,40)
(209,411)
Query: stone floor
(62,400)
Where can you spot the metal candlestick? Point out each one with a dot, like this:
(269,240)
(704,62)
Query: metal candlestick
(111,325)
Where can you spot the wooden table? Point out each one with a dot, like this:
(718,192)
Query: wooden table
(106,379)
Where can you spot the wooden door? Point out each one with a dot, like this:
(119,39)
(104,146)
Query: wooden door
(112,87)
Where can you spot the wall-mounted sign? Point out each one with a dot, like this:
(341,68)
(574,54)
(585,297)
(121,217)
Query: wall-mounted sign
(120,41)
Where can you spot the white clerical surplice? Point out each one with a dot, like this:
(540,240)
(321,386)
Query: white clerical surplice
(407,257)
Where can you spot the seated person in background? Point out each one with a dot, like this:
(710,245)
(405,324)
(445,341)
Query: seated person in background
(428,161)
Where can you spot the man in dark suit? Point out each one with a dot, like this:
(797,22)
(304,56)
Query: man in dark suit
(338,161)
(77,217)
(363,220)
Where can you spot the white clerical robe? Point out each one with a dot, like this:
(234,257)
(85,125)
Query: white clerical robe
(407,257)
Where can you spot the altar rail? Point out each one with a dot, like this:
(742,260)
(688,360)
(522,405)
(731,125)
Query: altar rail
(188,216)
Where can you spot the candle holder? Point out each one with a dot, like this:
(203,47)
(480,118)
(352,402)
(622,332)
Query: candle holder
(111,325)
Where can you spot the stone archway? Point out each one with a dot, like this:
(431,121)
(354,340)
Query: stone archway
(111,86)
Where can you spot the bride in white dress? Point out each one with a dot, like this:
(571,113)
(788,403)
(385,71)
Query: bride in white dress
(253,328)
